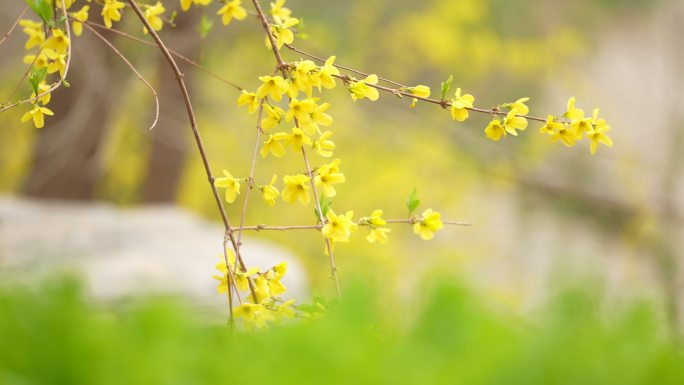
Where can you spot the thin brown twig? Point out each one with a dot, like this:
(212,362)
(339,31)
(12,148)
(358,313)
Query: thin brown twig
(271,38)
(197,136)
(23,77)
(442,103)
(250,181)
(174,53)
(319,226)
(62,76)
(128,63)
(14,25)
(321,218)
(320,59)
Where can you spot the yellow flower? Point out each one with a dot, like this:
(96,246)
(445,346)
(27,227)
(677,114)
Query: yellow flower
(250,100)
(254,315)
(551,127)
(285,310)
(572,112)
(324,147)
(580,124)
(520,106)
(280,269)
(378,235)
(282,34)
(35,33)
(279,12)
(360,89)
(327,176)
(304,76)
(275,287)
(327,74)
(231,185)
(232,10)
(339,228)
(298,138)
(37,115)
(67,4)
(495,130)
(597,133)
(296,189)
(270,192)
(40,62)
(460,105)
(566,135)
(420,91)
(79,18)
(300,110)
(274,145)
(376,218)
(512,122)
(292,90)
(58,62)
(261,290)
(110,11)
(185,4)
(152,15)
(273,86)
(45,99)
(428,224)
(241,277)
(318,116)
(58,42)
(274,117)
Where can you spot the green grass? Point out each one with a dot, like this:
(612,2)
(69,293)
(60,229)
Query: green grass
(53,335)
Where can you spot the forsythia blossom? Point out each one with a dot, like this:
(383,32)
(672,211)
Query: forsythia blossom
(339,228)
(360,89)
(428,224)
(231,185)
(274,145)
(152,13)
(296,189)
(111,12)
(327,176)
(460,105)
(232,9)
(270,192)
(273,87)
(37,114)
(250,100)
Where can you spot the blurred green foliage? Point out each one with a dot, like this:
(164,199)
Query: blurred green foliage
(54,335)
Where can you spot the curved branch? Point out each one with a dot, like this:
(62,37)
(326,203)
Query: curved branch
(128,63)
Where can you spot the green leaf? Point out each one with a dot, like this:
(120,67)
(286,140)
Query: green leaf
(446,86)
(205,26)
(412,202)
(325,206)
(36,76)
(42,8)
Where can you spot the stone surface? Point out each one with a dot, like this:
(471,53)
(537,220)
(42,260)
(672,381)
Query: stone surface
(124,252)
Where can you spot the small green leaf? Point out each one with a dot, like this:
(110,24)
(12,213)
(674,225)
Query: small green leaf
(325,206)
(36,76)
(42,8)
(172,19)
(446,86)
(412,202)
(205,26)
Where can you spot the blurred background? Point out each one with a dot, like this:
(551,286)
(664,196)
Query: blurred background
(541,212)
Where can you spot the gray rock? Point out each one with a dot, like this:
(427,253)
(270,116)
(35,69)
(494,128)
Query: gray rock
(126,252)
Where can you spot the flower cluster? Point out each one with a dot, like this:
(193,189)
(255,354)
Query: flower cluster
(263,304)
